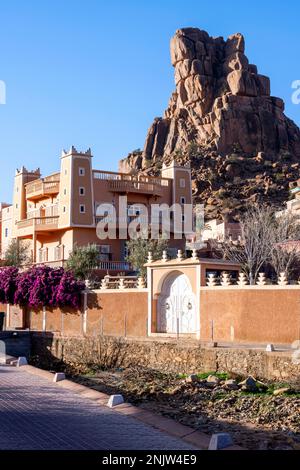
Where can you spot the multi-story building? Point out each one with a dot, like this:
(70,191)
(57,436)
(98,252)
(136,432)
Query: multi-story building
(219,230)
(54,213)
(293,205)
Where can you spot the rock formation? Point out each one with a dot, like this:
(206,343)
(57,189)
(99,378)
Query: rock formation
(223,106)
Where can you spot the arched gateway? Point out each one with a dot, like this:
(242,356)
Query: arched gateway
(176,306)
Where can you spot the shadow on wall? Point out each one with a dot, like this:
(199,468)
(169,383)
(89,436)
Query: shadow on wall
(15,343)
(76,355)
(93,301)
(105,352)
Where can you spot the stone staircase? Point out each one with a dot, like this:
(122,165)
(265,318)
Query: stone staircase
(15,343)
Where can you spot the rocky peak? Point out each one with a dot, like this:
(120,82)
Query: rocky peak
(221,103)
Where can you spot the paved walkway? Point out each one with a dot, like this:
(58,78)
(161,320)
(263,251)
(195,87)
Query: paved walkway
(36,414)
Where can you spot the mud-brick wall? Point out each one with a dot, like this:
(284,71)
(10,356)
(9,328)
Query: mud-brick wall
(13,316)
(166,356)
(251,315)
(117,313)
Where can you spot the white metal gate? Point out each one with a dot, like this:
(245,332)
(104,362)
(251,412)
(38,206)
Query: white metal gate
(176,306)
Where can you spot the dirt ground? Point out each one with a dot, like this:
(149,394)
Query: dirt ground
(259,420)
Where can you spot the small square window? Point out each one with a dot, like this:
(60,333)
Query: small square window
(81,171)
(182,182)
(82,191)
(64,209)
(65,192)
(82,208)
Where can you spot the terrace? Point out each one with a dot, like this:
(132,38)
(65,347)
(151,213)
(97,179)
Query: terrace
(43,187)
(125,183)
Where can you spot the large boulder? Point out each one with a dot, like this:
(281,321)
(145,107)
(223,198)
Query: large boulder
(249,384)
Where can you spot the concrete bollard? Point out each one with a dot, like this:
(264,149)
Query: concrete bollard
(59,376)
(220,441)
(22,361)
(115,400)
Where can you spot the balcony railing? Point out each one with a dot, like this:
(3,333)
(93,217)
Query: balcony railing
(45,221)
(121,182)
(25,223)
(39,223)
(41,188)
(48,211)
(54,177)
(124,221)
(114,266)
(106,175)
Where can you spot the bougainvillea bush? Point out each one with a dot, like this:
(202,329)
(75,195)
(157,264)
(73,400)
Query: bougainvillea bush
(24,283)
(8,279)
(45,286)
(40,287)
(67,291)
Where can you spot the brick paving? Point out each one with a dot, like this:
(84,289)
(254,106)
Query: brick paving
(36,414)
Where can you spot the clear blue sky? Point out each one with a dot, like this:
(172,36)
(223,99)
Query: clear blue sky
(94,73)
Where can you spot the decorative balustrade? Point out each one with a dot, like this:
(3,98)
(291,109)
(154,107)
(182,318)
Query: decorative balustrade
(282,279)
(212,281)
(122,283)
(225,279)
(261,280)
(242,282)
